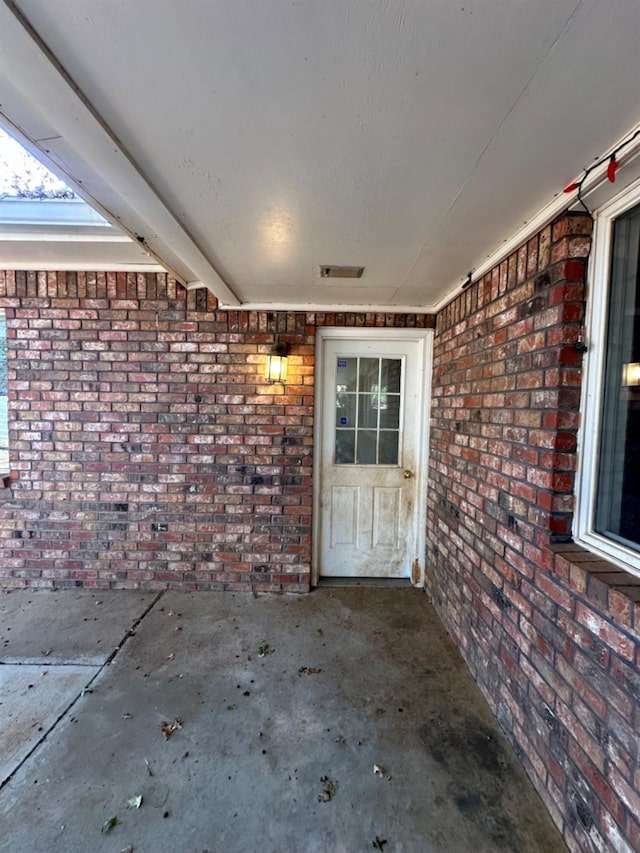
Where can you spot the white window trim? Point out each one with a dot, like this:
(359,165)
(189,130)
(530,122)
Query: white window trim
(598,286)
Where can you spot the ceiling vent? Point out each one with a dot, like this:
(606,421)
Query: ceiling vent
(341,272)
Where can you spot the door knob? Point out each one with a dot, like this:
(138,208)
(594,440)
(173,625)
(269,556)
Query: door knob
(407,475)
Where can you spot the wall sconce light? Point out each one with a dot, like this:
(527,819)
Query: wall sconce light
(276,367)
(631,374)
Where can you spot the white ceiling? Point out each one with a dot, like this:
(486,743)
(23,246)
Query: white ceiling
(249,143)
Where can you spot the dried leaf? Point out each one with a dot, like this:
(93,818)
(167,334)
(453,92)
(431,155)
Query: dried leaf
(134,802)
(168,729)
(108,825)
(264,650)
(330,788)
(309,670)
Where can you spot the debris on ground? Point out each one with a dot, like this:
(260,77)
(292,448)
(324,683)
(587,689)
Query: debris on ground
(341,740)
(171,656)
(168,729)
(149,770)
(264,650)
(134,802)
(109,823)
(309,670)
(46,652)
(378,843)
(329,790)
(127,716)
(231,707)
(128,849)
(378,770)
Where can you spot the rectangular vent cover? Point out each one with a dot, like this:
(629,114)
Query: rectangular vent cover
(341,272)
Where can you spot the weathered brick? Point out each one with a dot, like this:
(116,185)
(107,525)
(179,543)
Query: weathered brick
(576,640)
(164,399)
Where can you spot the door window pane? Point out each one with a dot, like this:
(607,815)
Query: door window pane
(345,446)
(390,412)
(390,375)
(368,375)
(347,374)
(366,447)
(368,400)
(346,410)
(617,514)
(388,448)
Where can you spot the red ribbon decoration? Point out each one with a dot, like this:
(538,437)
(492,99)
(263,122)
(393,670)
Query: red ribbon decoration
(611,168)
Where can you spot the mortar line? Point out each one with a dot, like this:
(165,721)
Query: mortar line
(100,667)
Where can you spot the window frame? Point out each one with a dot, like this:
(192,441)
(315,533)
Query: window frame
(596,315)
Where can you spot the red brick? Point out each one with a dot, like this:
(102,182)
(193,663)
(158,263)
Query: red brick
(621,643)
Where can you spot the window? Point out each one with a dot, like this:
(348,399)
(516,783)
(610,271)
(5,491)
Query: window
(367,411)
(608,517)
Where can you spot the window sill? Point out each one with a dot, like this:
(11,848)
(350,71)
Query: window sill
(611,588)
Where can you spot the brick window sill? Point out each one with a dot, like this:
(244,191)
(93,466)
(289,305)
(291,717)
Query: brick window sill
(608,586)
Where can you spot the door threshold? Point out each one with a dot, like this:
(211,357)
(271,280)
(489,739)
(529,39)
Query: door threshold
(379,583)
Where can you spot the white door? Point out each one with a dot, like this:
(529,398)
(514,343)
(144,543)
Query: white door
(370,406)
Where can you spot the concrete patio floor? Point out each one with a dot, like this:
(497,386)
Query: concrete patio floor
(286,705)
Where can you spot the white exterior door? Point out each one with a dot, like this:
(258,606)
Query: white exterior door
(370,495)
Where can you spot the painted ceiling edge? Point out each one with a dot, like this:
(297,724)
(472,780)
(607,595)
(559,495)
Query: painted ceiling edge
(328,308)
(42,80)
(561,202)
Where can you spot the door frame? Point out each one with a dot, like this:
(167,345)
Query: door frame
(424,339)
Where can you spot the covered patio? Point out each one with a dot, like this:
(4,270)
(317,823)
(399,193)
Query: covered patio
(344,720)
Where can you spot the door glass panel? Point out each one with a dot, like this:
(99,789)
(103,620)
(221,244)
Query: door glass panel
(347,374)
(390,375)
(368,375)
(388,448)
(390,411)
(368,410)
(345,446)
(346,410)
(366,447)
(368,400)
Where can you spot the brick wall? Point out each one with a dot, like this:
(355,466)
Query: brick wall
(147,450)
(549,631)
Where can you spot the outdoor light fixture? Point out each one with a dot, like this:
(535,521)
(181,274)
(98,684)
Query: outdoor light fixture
(631,374)
(276,366)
